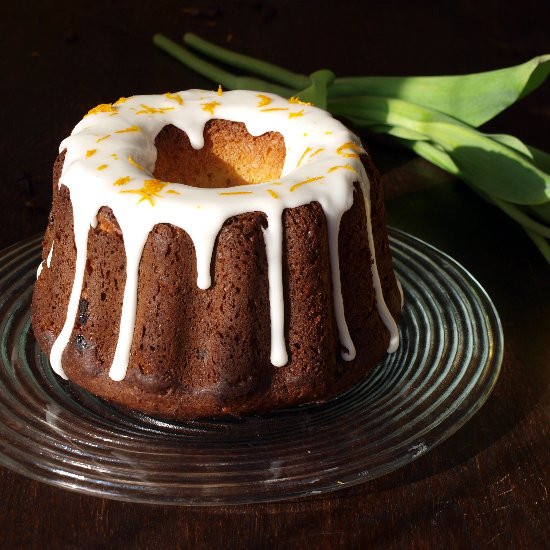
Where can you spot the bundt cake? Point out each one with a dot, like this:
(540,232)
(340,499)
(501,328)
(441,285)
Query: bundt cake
(262,281)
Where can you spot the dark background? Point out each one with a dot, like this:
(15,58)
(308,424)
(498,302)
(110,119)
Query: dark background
(487,486)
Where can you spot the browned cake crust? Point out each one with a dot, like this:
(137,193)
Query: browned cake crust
(206,353)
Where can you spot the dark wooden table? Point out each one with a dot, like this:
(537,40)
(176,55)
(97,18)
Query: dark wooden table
(485,487)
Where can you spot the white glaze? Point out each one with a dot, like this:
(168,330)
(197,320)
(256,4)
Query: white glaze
(48,260)
(321,164)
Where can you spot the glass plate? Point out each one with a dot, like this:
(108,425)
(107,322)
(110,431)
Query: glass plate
(443,372)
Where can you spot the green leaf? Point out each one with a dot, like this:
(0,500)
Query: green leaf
(471,98)
(316,92)
(538,232)
(539,158)
(398,132)
(433,116)
(436,156)
(512,142)
(493,167)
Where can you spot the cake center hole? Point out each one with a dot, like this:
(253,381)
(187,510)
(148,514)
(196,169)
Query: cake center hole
(230,156)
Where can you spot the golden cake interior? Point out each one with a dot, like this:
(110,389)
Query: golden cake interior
(230,156)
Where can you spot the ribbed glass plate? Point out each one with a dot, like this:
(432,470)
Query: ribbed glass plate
(444,370)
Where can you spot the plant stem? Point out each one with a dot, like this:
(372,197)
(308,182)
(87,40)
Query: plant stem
(523,219)
(214,73)
(541,244)
(250,64)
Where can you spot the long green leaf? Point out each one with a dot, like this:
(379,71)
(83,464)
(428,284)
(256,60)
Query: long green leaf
(434,155)
(441,159)
(471,98)
(397,131)
(494,167)
(538,233)
(539,158)
(513,142)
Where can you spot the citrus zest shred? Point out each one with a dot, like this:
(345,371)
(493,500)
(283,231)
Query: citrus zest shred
(150,190)
(102,108)
(343,166)
(296,114)
(134,163)
(297,101)
(122,181)
(349,145)
(308,149)
(300,183)
(148,110)
(133,128)
(264,100)
(209,107)
(174,97)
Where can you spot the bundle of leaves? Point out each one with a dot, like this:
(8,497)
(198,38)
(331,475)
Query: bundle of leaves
(436,116)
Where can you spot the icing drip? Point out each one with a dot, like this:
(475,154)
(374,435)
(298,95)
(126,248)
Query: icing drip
(129,305)
(321,164)
(48,260)
(81,226)
(348,351)
(383,310)
(273,236)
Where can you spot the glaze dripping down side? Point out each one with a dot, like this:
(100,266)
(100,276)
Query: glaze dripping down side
(111,161)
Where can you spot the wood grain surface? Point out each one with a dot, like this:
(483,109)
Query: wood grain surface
(485,487)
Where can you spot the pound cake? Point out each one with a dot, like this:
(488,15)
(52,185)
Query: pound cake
(212,254)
